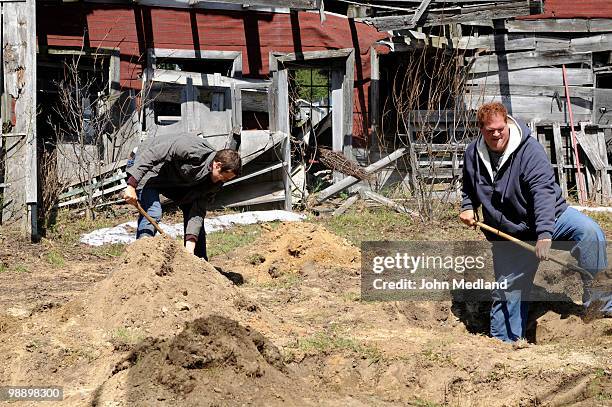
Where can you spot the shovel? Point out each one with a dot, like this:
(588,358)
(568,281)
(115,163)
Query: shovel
(149,218)
(531,248)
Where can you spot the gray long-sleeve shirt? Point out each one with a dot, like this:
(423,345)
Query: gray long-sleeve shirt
(178,164)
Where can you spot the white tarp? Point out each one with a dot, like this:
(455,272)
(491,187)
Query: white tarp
(126,232)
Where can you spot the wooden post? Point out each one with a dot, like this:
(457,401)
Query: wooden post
(606,185)
(560,158)
(337,96)
(282,125)
(374,99)
(591,150)
(19,75)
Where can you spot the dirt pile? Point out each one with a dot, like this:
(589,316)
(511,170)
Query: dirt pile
(213,361)
(158,287)
(293,247)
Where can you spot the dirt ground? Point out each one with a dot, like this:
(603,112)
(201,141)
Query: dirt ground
(277,322)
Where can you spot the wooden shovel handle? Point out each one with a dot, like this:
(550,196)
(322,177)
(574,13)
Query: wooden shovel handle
(149,218)
(531,248)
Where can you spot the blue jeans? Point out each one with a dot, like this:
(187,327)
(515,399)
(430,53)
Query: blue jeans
(575,232)
(150,202)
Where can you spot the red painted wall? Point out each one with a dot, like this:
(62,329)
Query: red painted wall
(576,9)
(134,29)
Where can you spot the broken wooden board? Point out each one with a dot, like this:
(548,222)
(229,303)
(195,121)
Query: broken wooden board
(251,194)
(368,194)
(452,16)
(590,146)
(254,143)
(346,205)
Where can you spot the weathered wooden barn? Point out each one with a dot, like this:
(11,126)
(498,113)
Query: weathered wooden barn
(549,62)
(281,80)
(250,76)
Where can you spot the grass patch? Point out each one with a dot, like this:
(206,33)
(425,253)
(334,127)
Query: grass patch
(376,224)
(369,224)
(351,296)
(3,268)
(126,336)
(55,259)
(256,259)
(109,250)
(283,282)
(20,268)
(327,343)
(599,387)
(604,219)
(68,228)
(226,241)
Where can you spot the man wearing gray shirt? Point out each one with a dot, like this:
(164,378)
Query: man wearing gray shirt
(185,169)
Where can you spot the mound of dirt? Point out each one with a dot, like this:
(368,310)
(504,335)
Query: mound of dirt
(158,287)
(294,246)
(213,356)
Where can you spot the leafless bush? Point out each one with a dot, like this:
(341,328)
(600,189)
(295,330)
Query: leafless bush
(429,116)
(99,124)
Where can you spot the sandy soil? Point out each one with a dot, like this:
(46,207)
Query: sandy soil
(280,324)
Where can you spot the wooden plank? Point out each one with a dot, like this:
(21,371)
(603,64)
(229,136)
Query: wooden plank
(606,184)
(590,146)
(577,25)
(370,169)
(368,194)
(375,96)
(292,4)
(254,174)
(419,12)
(337,110)
(597,43)
(452,16)
(528,59)
(251,194)
(535,104)
(558,143)
(513,42)
(283,126)
(583,92)
(19,70)
(536,76)
(200,79)
(305,56)
(347,105)
(256,142)
(346,204)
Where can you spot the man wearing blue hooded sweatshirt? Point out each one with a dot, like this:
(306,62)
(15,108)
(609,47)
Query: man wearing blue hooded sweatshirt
(507,172)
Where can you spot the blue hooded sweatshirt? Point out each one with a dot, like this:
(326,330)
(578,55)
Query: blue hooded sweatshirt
(523,198)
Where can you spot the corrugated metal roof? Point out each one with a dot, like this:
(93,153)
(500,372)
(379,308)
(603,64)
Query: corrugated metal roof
(576,9)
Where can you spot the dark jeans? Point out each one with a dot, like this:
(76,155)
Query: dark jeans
(586,242)
(149,200)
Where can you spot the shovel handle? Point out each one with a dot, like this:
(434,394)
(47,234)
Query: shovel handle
(149,218)
(529,247)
